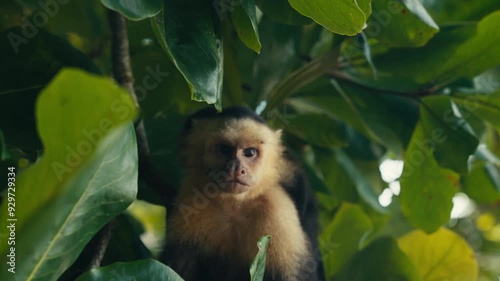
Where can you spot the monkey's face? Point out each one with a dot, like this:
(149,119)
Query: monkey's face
(238,154)
(234,166)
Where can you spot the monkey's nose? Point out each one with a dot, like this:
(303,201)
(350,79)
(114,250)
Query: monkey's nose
(235,169)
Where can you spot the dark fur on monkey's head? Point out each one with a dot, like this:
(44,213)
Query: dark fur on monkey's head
(233,112)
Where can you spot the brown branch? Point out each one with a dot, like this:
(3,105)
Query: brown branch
(104,236)
(122,72)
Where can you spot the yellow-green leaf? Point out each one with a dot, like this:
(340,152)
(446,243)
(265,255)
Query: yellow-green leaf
(342,238)
(443,255)
(347,17)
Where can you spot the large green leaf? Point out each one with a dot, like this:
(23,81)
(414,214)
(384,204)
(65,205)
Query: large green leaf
(27,66)
(325,132)
(426,188)
(146,269)
(457,51)
(321,98)
(379,117)
(386,79)
(191,32)
(87,175)
(343,16)
(338,181)
(478,53)
(364,187)
(485,106)
(443,255)
(368,111)
(126,231)
(233,90)
(381,260)
(258,267)
(135,10)
(282,12)
(159,86)
(481,183)
(343,237)
(451,143)
(400,24)
(446,11)
(277,58)
(245,22)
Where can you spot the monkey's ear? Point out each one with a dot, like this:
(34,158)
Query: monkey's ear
(279,133)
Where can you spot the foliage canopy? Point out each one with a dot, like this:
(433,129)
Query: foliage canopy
(353,84)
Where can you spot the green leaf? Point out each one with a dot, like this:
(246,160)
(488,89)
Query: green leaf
(126,231)
(315,101)
(386,79)
(340,185)
(455,52)
(485,106)
(317,182)
(343,17)
(135,10)
(478,53)
(159,86)
(245,22)
(480,183)
(451,259)
(446,11)
(370,112)
(277,58)
(400,24)
(363,185)
(258,267)
(426,188)
(379,119)
(87,175)
(343,237)
(282,12)
(146,269)
(325,132)
(233,76)
(381,260)
(451,143)
(27,66)
(192,35)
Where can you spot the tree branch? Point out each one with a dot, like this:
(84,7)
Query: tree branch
(104,236)
(122,72)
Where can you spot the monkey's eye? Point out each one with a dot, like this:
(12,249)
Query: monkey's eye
(250,152)
(225,149)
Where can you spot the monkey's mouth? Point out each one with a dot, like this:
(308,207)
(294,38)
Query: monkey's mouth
(235,186)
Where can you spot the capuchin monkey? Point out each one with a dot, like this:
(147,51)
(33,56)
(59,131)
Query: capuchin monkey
(240,184)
